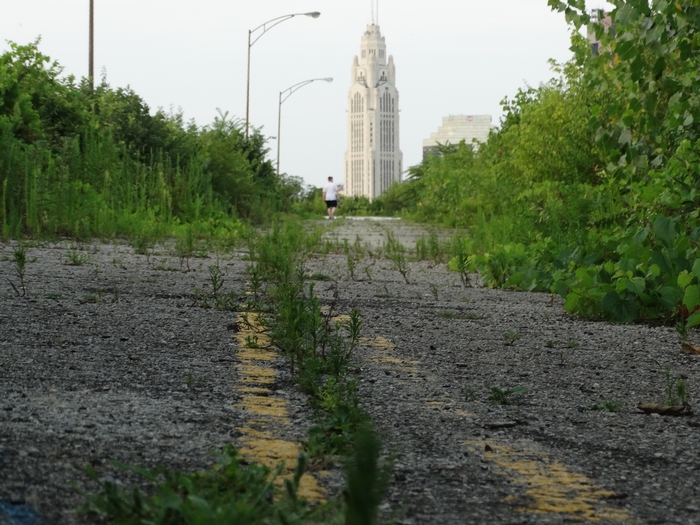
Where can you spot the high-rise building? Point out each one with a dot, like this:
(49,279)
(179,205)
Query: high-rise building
(373,160)
(458,128)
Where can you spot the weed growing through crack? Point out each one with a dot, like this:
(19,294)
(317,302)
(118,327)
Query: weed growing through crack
(506,396)
(469,393)
(94,297)
(251,341)
(353,256)
(368,273)
(435,290)
(422,252)
(163,266)
(215,298)
(75,258)
(608,405)
(189,381)
(185,247)
(675,389)
(551,343)
(319,277)
(461,261)
(19,259)
(231,491)
(572,344)
(511,337)
(396,252)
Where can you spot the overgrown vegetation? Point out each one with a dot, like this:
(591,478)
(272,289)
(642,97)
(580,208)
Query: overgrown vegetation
(85,162)
(317,345)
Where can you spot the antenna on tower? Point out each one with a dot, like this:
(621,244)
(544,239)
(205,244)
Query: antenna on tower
(372,9)
(377,12)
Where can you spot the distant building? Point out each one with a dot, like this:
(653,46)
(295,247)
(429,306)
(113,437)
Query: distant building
(599,17)
(458,128)
(373,160)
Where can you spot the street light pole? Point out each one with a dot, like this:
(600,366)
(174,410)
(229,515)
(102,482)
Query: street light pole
(91,53)
(284,95)
(265,28)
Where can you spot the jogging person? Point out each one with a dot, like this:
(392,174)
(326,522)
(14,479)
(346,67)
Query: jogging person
(330,195)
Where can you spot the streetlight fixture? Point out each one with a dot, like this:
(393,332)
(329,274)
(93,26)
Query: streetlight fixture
(265,28)
(284,95)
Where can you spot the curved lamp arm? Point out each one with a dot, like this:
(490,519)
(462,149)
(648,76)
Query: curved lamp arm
(278,20)
(298,86)
(284,95)
(265,28)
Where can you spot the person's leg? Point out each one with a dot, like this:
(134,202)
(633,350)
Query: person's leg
(331,212)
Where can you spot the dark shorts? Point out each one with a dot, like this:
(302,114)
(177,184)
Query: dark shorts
(331,204)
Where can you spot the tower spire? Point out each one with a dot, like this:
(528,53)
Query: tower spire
(372,9)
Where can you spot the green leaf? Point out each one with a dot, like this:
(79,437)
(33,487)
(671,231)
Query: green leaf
(654,270)
(693,320)
(636,285)
(665,229)
(625,137)
(684,279)
(641,235)
(691,297)
(670,297)
(696,268)
(626,15)
(571,304)
(621,309)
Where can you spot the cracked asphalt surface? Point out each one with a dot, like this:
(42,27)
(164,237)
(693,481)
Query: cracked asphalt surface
(94,366)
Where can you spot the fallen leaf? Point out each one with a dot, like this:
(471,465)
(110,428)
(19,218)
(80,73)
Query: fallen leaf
(665,410)
(688,348)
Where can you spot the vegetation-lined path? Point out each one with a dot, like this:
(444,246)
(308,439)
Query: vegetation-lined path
(112,357)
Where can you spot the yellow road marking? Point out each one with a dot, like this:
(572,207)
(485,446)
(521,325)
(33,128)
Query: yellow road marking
(261,443)
(553,488)
(377,342)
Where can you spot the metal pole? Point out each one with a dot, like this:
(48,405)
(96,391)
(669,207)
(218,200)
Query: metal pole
(279,132)
(247,91)
(91,59)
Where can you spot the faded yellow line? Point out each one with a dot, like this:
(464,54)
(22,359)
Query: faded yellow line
(377,342)
(261,443)
(554,489)
(383,348)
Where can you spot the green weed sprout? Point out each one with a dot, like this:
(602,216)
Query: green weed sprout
(676,389)
(511,337)
(19,257)
(75,258)
(608,405)
(506,396)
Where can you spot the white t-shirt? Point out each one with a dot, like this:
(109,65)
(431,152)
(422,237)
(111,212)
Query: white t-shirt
(331,191)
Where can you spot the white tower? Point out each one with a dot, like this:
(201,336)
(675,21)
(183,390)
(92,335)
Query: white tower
(373,160)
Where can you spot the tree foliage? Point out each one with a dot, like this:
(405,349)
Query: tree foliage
(590,187)
(81,161)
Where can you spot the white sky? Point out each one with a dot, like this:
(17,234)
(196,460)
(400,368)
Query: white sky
(452,57)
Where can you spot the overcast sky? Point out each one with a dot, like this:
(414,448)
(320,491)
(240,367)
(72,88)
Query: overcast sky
(452,57)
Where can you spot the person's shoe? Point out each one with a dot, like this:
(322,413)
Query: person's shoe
(326,217)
